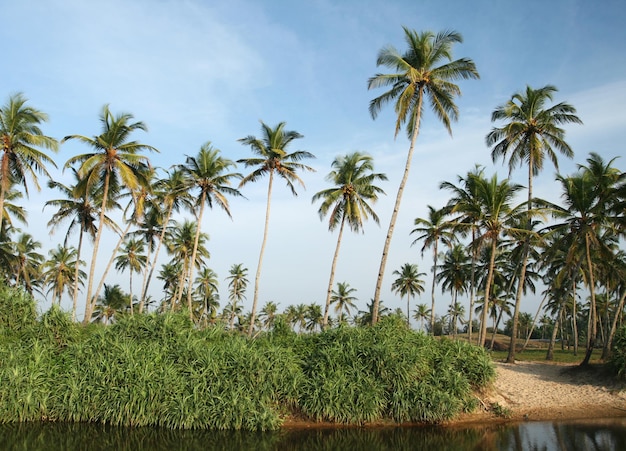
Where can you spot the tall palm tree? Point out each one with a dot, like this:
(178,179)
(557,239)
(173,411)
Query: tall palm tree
(344,300)
(133,258)
(115,161)
(464,203)
(532,132)
(171,194)
(454,272)
(495,198)
(409,283)
(456,312)
(208,173)
(425,72)
(432,230)
(59,271)
(22,140)
(348,200)
(237,285)
(272,159)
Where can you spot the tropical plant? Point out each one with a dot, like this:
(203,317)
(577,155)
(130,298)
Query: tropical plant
(22,140)
(208,173)
(272,159)
(112,302)
(348,200)
(433,230)
(116,161)
(344,300)
(408,283)
(426,72)
(237,285)
(532,132)
(206,287)
(133,258)
(59,271)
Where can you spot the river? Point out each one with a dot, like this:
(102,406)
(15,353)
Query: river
(605,435)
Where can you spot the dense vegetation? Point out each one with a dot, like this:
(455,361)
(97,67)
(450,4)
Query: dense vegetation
(159,369)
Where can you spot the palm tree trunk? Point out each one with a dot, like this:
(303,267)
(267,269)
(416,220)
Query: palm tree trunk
(89,303)
(472,286)
(4,180)
(550,353)
(432,290)
(332,274)
(485,315)
(155,258)
(522,275)
(591,325)
(532,328)
(396,209)
(194,253)
(606,351)
(77,274)
(257,278)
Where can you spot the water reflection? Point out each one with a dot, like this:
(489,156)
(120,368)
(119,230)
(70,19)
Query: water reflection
(595,435)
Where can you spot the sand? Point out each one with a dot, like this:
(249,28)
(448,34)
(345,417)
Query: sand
(532,391)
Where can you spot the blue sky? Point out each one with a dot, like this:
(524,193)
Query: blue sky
(197,71)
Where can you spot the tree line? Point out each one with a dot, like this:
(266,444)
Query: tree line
(495,249)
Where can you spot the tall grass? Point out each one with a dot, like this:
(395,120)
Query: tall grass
(160,370)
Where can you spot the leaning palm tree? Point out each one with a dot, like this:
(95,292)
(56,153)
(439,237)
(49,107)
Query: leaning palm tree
(22,139)
(426,72)
(115,161)
(207,173)
(531,133)
(409,283)
(272,159)
(433,230)
(348,201)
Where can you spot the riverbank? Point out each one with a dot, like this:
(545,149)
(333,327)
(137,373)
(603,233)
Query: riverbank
(541,391)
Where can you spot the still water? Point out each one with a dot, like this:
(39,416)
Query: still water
(588,435)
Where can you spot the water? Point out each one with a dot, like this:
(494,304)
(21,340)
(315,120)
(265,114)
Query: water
(605,435)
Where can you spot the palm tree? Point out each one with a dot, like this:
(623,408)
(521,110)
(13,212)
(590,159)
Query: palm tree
(207,289)
(59,271)
(77,207)
(268,313)
(531,132)
(237,285)
(12,210)
(348,201)
(208,173)
(433,230)
(22,139)
(27,261)
(171,194)
(409,283)
(314,317)
(115,161)
(272,158)
(456,312)
(464,203)
(112,302)
(421,313)
(131,257)
(364,317)
(425,72)
(343,299)
(495,198)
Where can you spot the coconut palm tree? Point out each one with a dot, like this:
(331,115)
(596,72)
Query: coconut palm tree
(409,283)
(314,317)
(348,201)
(456,312)
(27,262)
(532,132)
(207,173)
(344,300)
(133,258)
(21,156)
(272,159)
(421,313)
(81,209)
(268,313)
(464,203)
(424,73)
(112,302)
(433,230)
(115,161)
(454,272)
(10,209)
(206,287)
(59,271)
(364,317)
(495,198)
(237,285)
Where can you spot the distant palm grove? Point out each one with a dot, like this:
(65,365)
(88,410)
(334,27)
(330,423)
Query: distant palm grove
(487,246)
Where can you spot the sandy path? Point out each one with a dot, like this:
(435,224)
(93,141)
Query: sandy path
(544,391)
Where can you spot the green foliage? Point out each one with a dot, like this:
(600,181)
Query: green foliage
(160,370)
(18,311)
(618,353)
